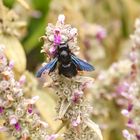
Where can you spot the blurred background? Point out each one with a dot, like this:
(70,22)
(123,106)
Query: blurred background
(104,28)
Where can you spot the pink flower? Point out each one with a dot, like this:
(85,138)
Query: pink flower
(126,134)
(11,64)
(101,33)
(22,80)
(130,124)
(76,122)
(125,112)
(30,109)
(51,137)
(52,50)
(138,136)
(17,126)
(130,107)
(1,110)
(57,39)
(13,120)
(76,96)
(123,87)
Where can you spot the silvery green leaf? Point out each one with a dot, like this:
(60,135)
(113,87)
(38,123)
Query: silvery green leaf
(95,128)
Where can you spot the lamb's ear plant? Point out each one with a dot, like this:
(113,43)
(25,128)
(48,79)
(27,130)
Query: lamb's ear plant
(16,112)
(10,30)
(73,108)
(132,110)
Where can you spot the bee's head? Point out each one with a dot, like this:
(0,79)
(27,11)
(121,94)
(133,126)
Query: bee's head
(62,46)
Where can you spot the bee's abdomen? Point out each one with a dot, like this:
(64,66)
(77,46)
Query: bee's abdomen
(68,70)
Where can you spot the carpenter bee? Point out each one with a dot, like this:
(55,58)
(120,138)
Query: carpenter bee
(68,63)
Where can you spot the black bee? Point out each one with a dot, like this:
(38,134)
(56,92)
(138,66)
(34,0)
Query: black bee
(69,64)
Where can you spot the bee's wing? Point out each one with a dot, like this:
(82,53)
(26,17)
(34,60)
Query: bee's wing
(50,67)
(81,65)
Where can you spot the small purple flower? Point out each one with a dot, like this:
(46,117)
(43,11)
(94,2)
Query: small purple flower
(101,33)
(130,107)
(76,96)
(57,39)
(52,50)
(138,136)
(1,110)
(122,88)
(126,134)
(76,122)
(30,109)
(125,112)
(130,121)
(17,126)
(11,64)
(51,137)
(13,120)
(130,124)
(22,80)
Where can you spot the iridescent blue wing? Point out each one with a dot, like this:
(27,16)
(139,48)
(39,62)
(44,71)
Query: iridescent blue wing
(50,67)
(81,65)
